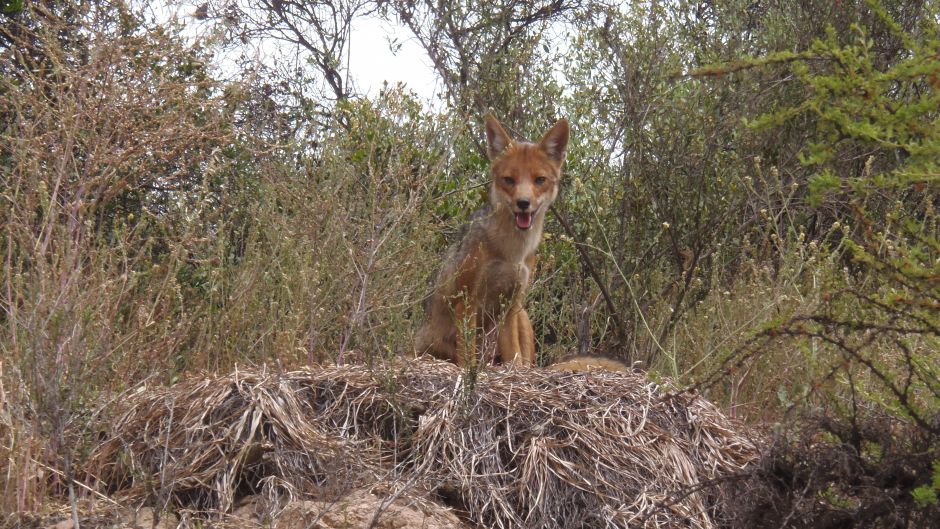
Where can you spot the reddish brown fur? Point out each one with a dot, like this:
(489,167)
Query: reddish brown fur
(587,363)
(480,290)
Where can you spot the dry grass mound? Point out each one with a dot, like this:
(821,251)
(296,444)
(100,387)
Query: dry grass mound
(508,448)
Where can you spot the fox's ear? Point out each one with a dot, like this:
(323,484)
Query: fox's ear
(496,138)
(555,141)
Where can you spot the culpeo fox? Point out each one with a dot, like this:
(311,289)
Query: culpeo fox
(478,294)
(587,363)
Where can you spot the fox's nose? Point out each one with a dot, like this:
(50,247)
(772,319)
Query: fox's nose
(523,204)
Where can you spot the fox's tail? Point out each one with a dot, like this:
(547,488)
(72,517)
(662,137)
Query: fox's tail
(587,363)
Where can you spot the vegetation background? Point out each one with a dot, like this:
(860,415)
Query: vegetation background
(749,209)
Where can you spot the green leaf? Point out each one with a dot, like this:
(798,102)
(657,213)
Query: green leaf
(11,7)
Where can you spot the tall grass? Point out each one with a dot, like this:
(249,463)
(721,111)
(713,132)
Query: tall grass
(144,236)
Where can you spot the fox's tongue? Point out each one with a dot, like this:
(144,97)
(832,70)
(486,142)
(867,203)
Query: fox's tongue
(523,220)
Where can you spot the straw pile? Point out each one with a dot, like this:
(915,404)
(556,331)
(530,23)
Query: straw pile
(516,448)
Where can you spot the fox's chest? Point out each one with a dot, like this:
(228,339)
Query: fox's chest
(500,281)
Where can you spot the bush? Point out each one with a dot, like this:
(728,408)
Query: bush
(871,342)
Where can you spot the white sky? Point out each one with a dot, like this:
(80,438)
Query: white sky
(371,61)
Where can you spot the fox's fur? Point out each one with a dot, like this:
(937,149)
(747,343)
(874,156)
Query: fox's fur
(587,363)
(476,308)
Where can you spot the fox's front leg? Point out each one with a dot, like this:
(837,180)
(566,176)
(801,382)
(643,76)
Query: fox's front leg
(515,340)
(526,337)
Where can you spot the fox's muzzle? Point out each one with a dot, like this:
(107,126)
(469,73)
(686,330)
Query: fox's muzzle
(524,219)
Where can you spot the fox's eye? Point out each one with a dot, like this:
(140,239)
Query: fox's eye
(539,180)
(509,181)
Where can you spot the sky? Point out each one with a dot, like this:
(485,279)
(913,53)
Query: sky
(371,61)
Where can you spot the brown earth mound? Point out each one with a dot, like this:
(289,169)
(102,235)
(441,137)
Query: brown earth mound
(507,448)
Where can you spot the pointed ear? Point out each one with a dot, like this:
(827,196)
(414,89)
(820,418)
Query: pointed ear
(496,138)
(555,141)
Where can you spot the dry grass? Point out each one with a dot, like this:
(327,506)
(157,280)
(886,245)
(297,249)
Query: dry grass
(517,448)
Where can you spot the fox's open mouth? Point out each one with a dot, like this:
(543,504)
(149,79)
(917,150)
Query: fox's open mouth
(524,219)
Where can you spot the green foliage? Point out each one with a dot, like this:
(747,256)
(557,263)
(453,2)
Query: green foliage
(11,7)
(888,111)
(858,105)
(872,340)
(926,495)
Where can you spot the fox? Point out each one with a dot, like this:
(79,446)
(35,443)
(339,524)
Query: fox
(475,311)
(588,363)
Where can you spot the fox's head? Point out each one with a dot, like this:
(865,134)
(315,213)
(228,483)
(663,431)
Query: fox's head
(525,175)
